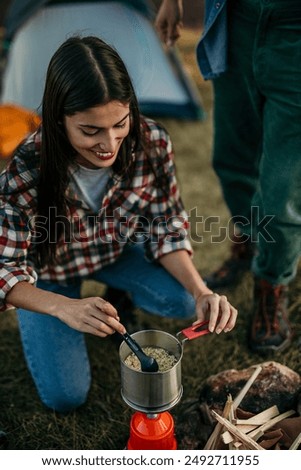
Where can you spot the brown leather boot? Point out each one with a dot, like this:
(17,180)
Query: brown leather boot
(231,270)
(271,330)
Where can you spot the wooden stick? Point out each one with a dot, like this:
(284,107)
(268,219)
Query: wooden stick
(256,433)
(245,439)
(296,443)
(246,428)
(245,389)
(215,436)
(260,418)
(238,445)
(231,418)
(227,437)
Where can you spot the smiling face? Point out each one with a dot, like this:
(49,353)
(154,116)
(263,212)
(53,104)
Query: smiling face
(97,133)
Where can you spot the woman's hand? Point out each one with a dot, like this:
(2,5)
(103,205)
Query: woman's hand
(91,315)
(209,306)
(216,308)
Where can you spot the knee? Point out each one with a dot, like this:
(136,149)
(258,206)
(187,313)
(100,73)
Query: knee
(181,305)
(65,400)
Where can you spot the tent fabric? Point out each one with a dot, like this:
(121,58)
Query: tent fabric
(21,10)
(162,86)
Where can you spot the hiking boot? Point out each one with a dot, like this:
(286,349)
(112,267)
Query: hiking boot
(271,330)
(231,270)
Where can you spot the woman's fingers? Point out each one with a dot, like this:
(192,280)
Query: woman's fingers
(220,313)
(92,315)
(106,308)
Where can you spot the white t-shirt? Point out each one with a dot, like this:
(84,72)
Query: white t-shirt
(90,184)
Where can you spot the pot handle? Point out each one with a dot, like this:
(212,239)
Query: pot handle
(194,331)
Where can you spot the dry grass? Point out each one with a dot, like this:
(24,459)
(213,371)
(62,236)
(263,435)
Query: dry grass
(103,422)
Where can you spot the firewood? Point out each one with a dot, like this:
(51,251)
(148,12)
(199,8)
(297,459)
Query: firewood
(244,438)
(214,439)
(246,428)
(243,434)
(296,443)
(247,386)
(257,433)
(227,437)
(260,418)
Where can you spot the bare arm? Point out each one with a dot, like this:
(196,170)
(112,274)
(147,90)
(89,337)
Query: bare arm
(209,306)
(168,21)
(91,315)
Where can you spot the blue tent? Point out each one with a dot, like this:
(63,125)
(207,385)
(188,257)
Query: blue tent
(162,85)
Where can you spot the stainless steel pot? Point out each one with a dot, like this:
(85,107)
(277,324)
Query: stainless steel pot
(155,392)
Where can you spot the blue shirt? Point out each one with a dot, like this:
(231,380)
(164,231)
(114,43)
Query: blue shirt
(211,49)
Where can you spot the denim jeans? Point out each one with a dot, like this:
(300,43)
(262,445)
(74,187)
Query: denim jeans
(257,119)
(56,354)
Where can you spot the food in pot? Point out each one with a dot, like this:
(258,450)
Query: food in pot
(165,359)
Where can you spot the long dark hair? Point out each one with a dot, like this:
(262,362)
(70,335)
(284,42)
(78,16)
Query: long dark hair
(83,73)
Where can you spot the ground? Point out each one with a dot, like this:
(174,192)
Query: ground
(103,422)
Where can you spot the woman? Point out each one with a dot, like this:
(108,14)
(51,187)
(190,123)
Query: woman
(84,198)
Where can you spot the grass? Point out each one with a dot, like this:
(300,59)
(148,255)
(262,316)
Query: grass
(103,422)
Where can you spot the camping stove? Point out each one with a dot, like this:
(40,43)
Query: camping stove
(152,394)
(151,432)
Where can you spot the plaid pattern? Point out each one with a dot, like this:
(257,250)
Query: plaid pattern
(136,211)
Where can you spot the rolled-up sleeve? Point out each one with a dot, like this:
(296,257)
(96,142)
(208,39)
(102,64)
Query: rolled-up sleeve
(15,239)
(168,218)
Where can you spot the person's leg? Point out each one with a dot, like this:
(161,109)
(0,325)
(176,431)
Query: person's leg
(150,286)
(279,75)
(278,65)
(56,355)
(237,145)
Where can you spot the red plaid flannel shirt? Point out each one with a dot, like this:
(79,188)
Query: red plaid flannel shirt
(131,212)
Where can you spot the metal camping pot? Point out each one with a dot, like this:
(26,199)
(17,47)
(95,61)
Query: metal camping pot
(155,392)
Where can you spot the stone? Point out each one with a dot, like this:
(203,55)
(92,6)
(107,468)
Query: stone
(276,385)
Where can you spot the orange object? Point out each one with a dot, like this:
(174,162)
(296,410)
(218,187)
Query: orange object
(15,124)
(152,432)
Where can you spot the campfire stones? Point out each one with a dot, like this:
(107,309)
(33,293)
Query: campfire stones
(275,385)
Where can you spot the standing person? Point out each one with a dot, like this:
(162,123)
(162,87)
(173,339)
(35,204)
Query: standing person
(93,195)
(251,50)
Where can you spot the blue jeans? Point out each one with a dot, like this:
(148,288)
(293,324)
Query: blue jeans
(56,354)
